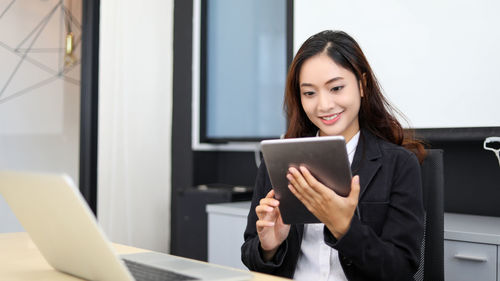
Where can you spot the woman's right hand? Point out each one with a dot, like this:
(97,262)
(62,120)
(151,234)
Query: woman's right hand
(270,227)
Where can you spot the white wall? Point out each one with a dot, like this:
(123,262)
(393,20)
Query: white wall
(39,111)
(436,60)
(135,113)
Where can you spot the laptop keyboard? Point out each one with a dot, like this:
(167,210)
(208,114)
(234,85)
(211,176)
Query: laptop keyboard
(142,272)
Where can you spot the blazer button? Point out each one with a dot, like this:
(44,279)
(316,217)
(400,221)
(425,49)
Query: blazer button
(347,261)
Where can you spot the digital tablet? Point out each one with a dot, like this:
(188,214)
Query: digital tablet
(326,159)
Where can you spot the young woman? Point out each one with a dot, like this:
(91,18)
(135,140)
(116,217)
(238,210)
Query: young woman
(376,231)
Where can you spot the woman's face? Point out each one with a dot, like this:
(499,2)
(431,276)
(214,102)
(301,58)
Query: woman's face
(330,96)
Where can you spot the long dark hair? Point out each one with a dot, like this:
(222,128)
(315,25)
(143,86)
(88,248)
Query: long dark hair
(376,114)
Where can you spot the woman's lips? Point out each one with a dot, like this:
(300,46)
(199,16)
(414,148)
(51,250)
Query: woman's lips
(330,119)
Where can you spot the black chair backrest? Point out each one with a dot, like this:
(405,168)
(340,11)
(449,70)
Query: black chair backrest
(433,195)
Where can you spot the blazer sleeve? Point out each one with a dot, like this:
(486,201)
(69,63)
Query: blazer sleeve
(251,254)
(395,253)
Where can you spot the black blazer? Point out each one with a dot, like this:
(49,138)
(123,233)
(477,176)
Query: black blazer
(383,242)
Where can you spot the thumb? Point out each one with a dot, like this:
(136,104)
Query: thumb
(355,187)
(270,194)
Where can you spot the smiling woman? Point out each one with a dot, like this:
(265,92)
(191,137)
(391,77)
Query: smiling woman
(326,64)
(332,104)
(375,232)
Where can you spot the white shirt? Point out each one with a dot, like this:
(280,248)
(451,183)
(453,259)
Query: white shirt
(318,261)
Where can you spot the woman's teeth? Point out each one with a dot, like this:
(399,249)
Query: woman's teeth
(330,117)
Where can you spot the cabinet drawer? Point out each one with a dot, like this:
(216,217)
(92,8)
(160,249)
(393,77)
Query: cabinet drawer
(469,261)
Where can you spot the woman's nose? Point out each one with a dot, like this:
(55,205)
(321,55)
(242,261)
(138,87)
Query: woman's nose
(326,101)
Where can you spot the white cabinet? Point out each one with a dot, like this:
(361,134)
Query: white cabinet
(470,261)
(226,224)
(498,265)
(471,247)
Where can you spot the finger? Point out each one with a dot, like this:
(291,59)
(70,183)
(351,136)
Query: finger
(266,206)
(313,190)
(266,218)
(355,188)
(267,211)
(291,180)
(301,189)
(263,223)
(263,210)
(270,194)
(296,193)
(312,181)
(297,190)
(300,182)
(269,199)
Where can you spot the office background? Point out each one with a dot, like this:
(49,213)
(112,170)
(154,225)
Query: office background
(134,120)
(146,157)
(472,177)
(40,91)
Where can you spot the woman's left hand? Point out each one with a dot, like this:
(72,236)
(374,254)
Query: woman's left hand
(333,210)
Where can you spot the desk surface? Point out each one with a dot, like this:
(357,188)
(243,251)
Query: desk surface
(21,260)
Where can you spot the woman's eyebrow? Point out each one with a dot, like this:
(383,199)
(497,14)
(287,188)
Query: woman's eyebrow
(333,80)
(326,83)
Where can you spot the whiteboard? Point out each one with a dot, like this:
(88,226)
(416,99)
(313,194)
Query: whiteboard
(438,62)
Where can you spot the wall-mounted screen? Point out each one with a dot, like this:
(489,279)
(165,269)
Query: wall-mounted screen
(437,61)
(243,66)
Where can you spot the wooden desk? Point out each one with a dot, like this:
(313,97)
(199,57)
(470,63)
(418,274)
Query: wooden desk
(21,260)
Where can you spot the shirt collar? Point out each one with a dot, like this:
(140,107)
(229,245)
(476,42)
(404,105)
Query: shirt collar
(351,146)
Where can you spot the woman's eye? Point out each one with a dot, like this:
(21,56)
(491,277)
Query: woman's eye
(308,93)
(336,89)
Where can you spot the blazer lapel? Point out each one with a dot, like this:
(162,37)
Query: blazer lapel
(367,160)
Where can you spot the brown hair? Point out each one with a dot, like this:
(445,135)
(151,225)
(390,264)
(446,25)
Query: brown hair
(376,114)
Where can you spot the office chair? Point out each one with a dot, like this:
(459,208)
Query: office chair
(432,255)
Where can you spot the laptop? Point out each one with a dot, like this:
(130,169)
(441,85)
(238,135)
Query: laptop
(60,223)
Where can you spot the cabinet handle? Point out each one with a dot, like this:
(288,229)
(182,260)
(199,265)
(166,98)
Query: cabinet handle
(470,258)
